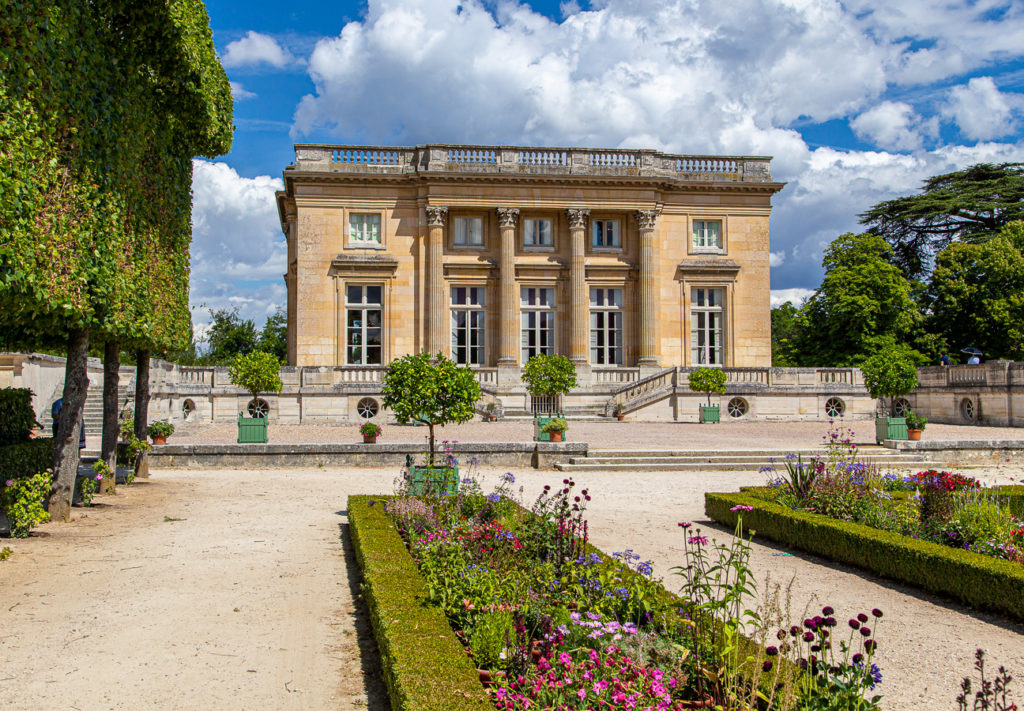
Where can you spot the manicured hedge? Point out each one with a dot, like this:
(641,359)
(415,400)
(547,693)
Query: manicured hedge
(17,418)
(26,459)
(425,667)
(1014,496)
(974,579)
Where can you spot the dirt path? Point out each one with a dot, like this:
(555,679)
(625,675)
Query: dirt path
(204,590)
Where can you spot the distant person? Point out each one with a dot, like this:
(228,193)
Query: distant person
(974,359)
(943,358)
(55,416)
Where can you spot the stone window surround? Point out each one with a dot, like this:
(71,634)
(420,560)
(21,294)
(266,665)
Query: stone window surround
(484,215)
(728,332)
(359,244)
(722,218)
(620,310)
(341,295)
(556,310)
(485,310)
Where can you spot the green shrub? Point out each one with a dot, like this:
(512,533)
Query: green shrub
(915,421)
(489,637)
(549,375)
(708,380)
(160,428)
(976,580)
(555,424)
(890,373)
(87,485)
(24,460)
(980,519)
(257,372)
(424,666)
(17,418)
(22,501)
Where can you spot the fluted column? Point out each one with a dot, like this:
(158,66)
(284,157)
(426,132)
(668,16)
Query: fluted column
(508,325)
(436,216)
(579,300)
(650,337)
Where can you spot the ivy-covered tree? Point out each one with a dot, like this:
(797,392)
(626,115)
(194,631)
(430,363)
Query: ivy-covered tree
(977,294)
(103,104)
(968,206)
(864,302)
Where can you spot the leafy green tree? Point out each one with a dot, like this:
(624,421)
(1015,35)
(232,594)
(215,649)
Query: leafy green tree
(102,106)
(863,303)
(550,375)
(433,390)
(256,372)
(274,336)
(228,337)
(977,294)
(968,206)
(890,373)
(785,328)
(708,380)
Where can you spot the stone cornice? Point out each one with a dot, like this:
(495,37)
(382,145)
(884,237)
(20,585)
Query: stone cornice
(708,266)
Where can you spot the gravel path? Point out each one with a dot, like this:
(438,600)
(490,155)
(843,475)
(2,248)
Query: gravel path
(599,435)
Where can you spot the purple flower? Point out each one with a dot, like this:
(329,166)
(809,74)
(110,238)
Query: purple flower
(697,540)
(862,617)
(827,610)
(876,612)
(865,631)
(9,482)
(509,478)
(767,666)
(869,645)
(742,507)
(771,651)
(682,524)
(808,636)
(494,498)
(854,624)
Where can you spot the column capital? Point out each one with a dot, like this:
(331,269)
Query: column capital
(577,217)
(507,216)
(646,218)
(436,215)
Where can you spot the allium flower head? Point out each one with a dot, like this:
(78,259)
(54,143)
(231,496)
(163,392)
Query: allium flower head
(862,617)
(876,612)
(827,610)
(682,524)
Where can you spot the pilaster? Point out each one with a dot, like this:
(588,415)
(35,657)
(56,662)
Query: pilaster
(508,299)
(650,336)
(436,302)
(579,342)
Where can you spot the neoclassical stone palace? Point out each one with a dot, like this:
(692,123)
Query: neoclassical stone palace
(492,254)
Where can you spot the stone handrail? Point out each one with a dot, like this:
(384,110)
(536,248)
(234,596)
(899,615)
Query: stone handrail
(486,376)
(529,160)
(757,376)
(967,375)
(632,392)
(615,375)
(835,376)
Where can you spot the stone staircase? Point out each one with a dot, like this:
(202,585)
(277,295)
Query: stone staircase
(726,460)
(94,405)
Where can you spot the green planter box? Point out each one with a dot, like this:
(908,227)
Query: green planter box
(436,480)
(712,414)
(252,430)
(546,436)
(890,428)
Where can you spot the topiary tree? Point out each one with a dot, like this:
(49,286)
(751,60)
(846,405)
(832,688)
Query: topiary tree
(708,380)
(550,375)
(430,389)
(257,372)
(890,373)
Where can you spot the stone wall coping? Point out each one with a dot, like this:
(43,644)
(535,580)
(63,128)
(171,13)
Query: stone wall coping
(940,445)
(567,448)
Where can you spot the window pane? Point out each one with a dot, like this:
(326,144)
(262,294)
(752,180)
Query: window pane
(460,230)
(476,230)
(373,355)
(355,318)
(354,294)
(373,294)
(544,229)
(529,228)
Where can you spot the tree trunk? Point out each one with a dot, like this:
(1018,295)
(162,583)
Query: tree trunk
(108,447)
(65,451)
(141,394)
(431,462)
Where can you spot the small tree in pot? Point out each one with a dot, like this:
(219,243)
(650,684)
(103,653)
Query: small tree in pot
(257,372)
(548,376)
(890,373)
(432,390)
(708,380)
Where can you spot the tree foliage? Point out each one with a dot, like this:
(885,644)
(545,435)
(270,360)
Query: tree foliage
(432,390)
(274,336)
(549,375)
(256,372)
(102,106)
(785,329)
(977,294)
(968,206)
(890,373)
(228,337)
(708,380)
(863,302)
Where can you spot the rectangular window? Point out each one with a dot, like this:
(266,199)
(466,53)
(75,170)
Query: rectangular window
(364,227)
(468,231)
(605,233)
(537,233)
(468,331)
(707,234)
(606,326)
(363,324)
(537,308)
(707,315)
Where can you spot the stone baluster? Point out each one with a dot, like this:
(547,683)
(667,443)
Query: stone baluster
(436,217)
(579,300)
(650,341)
(508,332)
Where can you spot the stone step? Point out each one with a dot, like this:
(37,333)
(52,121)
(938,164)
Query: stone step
(718,466)
(866,452)
(711,458)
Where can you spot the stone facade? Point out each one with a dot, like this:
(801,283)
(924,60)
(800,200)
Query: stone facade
(991,394)
(594,254)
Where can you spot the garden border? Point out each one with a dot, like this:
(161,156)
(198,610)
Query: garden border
(979,581)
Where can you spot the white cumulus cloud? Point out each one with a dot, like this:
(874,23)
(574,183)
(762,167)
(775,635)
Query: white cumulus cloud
(775,259)
(981,111)
(255,49)
(893,125)
(795,296)
(238,249)
(239,92)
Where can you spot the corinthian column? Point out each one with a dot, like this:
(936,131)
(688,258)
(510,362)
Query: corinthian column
(435,340)
(579,299)
(508,325)
(650,341)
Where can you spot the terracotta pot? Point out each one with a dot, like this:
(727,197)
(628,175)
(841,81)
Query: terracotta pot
(159,439)
(369,439)
(556,436)
(914,435)
(619,416)
(492,418)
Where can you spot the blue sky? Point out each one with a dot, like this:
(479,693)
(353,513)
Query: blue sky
(858,101)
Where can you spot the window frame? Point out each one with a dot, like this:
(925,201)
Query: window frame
(617,247)
(364,306)
(352,243)
(620,312)
(723,227)
(525,309)
(453,219)
(537,247)
(469,309)
(697,358)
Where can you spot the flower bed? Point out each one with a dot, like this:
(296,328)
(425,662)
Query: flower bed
(557,624)
(977,580)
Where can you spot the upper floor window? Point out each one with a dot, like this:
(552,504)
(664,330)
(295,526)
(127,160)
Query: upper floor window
(468,231)
(364,227)
(605,233)
(537,232)
(707,234)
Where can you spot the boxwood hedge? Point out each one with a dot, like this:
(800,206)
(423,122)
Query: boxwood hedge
(26,459)
(979,581)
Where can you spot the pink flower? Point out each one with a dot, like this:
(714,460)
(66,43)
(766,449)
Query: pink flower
(684,524)
(9,482)
(582,693)
(565,659)
(742,507)
(99,477)
(697,540)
